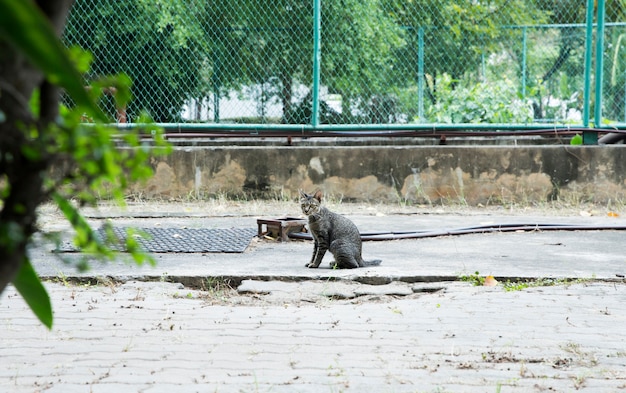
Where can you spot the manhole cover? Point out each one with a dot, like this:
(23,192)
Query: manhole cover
(183,240)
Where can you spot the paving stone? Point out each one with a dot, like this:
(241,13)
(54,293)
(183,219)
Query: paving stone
(265,287)
(469,339)
(393,289)
(426,287)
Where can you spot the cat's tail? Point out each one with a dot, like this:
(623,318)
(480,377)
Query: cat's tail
(374,262)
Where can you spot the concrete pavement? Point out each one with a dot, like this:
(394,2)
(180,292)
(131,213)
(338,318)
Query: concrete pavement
(563,254)
(161,337)
(285,328)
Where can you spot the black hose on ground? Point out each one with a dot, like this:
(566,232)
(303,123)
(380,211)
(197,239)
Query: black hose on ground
(380,236)
(611,138)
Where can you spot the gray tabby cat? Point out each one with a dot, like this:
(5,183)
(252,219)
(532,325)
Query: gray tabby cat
(332,232)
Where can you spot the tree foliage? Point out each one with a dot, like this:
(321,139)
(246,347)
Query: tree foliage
(158,45)
(179,51)
(361,62)
(480,103)
(47,154)
(457,34)
(263,43)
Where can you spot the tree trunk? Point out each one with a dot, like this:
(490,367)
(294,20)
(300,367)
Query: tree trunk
(286,83)
(21,175)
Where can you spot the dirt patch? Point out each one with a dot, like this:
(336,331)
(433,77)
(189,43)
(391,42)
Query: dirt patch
(222,291)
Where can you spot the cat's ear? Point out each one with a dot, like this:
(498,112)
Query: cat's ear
(318,195)
(302,193)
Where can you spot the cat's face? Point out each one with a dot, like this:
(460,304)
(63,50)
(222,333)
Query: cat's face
(309,204)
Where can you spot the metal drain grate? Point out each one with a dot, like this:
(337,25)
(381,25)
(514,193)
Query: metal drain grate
(174,240)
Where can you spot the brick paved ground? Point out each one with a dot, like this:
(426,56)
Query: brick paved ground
(161,337)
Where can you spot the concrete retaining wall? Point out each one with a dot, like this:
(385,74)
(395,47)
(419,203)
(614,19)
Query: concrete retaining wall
(421,174)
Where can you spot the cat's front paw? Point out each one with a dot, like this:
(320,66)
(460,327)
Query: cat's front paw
(310,265)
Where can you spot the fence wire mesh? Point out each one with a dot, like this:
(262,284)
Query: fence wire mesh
(382,61)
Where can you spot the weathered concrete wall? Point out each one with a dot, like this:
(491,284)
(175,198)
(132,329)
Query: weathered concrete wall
(422,174)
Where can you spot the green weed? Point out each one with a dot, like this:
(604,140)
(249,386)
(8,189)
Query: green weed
(475,279)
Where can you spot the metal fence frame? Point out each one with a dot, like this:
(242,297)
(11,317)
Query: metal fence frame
(315,128)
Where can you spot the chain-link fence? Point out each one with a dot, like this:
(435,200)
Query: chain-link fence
(381,61)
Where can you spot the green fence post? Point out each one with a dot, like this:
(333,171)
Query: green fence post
(599,69)
(420,74)
(216,89)
(315,116)
(524,54)
(588,136)
(588,43)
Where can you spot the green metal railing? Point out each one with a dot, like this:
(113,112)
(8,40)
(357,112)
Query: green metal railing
(362,65)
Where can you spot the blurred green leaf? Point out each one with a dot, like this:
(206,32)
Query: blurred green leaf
(134,248)
(81,58)
(24,25)
(99,160)
(32,290)
(576,140)
(84,237)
